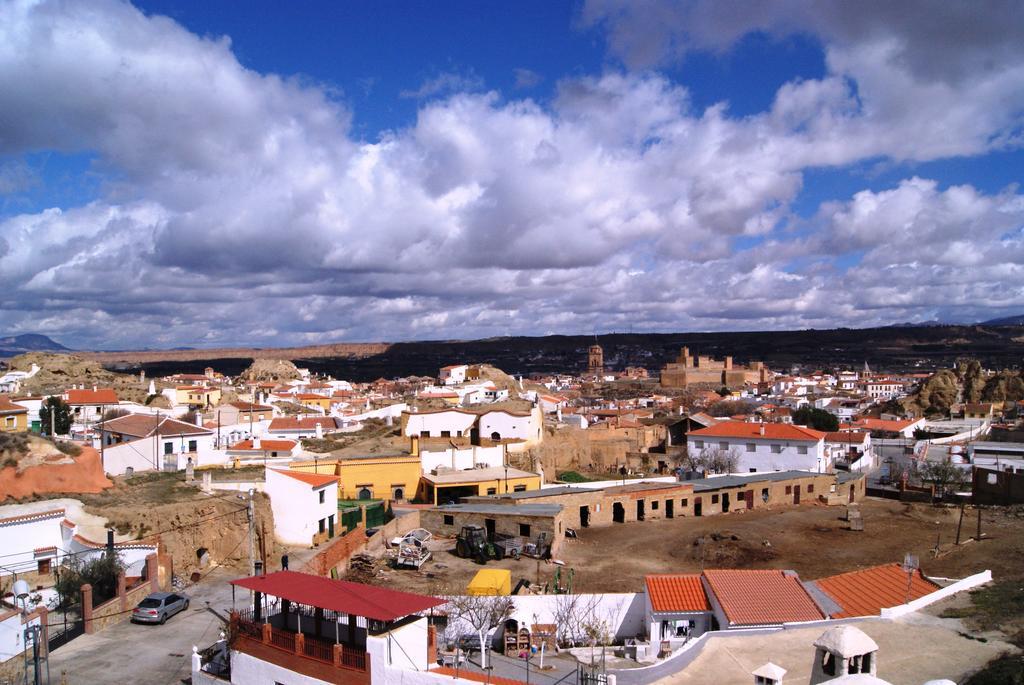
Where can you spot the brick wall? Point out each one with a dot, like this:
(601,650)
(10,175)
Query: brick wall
(337,554)
(118,609)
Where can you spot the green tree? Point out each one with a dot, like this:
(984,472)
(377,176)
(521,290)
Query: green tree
(100,572)
(61,413)
(818,419)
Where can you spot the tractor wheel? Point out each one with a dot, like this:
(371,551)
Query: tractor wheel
(461,549)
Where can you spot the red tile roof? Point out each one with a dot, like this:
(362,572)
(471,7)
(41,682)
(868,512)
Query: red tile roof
(8,407)
(762,597)
(100,396)
(867,592)
(342,596)
(881,425)
(677,592)
(144,425)
(268,445)
(772,431)
(33,515)
(309,424)
(315,479)
(856,437)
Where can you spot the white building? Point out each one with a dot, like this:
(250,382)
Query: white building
(305,505)
(453,375)
(764,446)
(676,609)
(145,442)
(459,458)
(850,448)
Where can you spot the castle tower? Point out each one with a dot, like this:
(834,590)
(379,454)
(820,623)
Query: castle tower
(595,359)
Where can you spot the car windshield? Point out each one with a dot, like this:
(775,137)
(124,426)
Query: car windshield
(149,603)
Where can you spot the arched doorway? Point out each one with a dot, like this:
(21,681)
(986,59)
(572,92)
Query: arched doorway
(365,493)
(495,436)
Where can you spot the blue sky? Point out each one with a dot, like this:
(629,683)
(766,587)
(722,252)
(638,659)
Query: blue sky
(266,174)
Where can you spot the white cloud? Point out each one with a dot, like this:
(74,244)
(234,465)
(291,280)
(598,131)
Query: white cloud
(240,204)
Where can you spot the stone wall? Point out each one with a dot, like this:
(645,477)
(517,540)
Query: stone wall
(504,524)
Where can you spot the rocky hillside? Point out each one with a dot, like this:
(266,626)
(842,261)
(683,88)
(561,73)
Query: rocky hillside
(12,345)
(58,372)
(966,382)
(271,370)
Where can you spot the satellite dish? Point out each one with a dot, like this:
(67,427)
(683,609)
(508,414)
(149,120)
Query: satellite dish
(21,589)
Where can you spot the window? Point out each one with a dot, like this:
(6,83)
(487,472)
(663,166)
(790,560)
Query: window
(446,434)
(398,491)
(751,447)
(519,488)
(322,492)
(764,494)
(724,446)
(492,491)
(810,487)
(684,502)
(789,489)
(424,434)
(698,444)
(714,499)
(524,530)
(449,520)
(802,449)
(43,567)
(753,470)
(168,448)
(992,478)
(191,445)
(654,505)
(776,449)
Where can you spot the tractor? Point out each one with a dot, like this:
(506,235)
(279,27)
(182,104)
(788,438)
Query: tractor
(472,543)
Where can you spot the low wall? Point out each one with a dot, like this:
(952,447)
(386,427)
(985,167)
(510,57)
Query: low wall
(921,602)
(118,609)
(337,554)
(598,484)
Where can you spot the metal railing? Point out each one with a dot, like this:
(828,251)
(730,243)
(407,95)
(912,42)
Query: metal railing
(318,649)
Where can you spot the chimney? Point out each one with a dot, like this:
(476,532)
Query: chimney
(762,428)
(414,446)
(256,443)
(110,540)
(199,419)
(319,431)
(94,388)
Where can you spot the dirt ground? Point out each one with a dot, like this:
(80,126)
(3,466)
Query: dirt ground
(812,539)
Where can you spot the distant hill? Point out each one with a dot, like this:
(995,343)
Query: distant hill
(1005,321)
(14,345)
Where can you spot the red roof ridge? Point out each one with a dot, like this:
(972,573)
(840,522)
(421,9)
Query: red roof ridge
(315,479)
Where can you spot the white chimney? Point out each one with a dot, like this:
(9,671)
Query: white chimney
(199,419)
(762,428)
(152,387)
(256,443)
(319,431)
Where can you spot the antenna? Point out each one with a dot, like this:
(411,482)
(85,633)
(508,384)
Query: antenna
(910,564)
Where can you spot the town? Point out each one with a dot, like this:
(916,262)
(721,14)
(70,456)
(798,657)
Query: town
(596,525)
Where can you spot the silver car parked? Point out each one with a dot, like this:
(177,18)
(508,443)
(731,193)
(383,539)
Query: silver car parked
(159,606)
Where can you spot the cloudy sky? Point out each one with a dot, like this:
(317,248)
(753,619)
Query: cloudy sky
(225,173)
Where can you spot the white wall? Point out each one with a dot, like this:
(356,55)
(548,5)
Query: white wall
(148,454)
(465,458)
(763,458)
(456,422)
(297,507)
(623,612)
(12,636)
(19,538)
(248,670)
(509,426)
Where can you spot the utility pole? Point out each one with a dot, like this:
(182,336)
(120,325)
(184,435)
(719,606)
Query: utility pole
(251,515)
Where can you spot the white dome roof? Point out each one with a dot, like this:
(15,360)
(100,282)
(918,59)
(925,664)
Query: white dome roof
(846,641)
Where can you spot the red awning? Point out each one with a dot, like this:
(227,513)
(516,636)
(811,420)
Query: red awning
(339,595)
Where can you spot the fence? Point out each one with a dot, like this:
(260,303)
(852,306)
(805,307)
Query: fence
(337,553)
(350,518)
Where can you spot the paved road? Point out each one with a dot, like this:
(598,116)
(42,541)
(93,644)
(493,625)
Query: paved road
(149,654)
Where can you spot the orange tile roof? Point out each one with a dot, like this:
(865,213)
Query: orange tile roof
(270,445)
(8,407)
(100,396)
(881,425)
(677,592)
(762,597)
(867,592)
(315,479)
(307,423)
(772,431)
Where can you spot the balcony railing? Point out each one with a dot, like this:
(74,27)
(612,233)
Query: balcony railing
(287,641)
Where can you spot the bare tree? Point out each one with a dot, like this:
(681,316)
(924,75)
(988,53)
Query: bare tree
(945,475)
(713,460)
(572,613)
(481,613)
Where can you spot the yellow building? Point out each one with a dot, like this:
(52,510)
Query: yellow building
(445,485)
(197,396)
(314,401)
(14,417)
(388,477)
